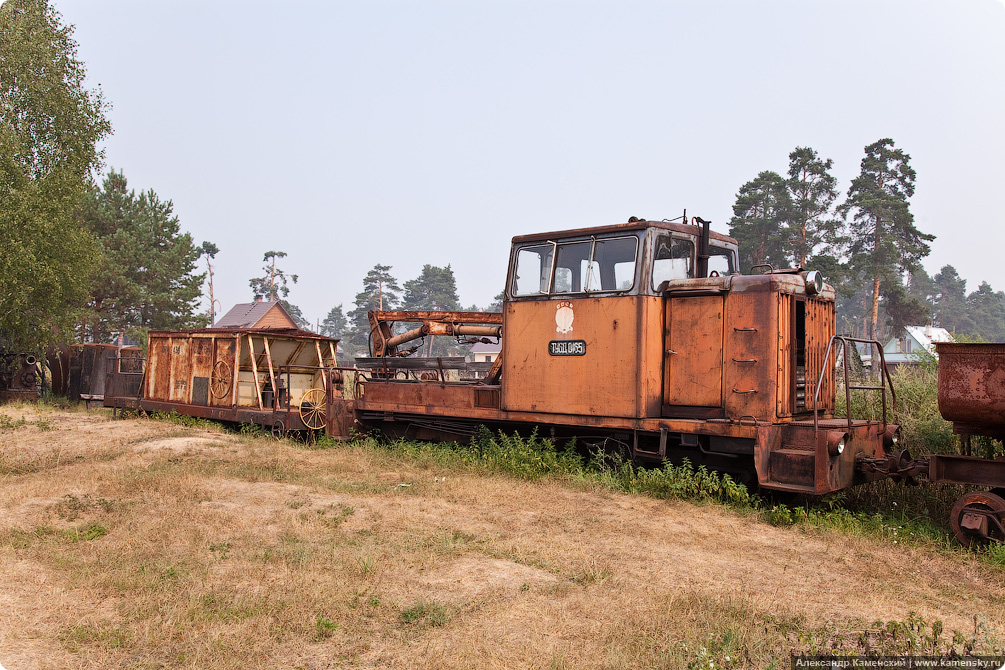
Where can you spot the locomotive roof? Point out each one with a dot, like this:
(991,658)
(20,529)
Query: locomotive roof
(621,228)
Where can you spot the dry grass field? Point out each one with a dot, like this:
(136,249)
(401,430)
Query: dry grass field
(138,543)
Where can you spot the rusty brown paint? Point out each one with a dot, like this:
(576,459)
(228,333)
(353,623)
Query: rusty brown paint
(693,360)
(972,387)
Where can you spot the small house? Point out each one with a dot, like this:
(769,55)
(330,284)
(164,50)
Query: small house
(913,342)
(258,315)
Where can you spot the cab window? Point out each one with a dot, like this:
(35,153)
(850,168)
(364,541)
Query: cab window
(720,260)
(673,258)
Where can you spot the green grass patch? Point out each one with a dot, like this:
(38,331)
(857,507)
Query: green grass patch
(428,612)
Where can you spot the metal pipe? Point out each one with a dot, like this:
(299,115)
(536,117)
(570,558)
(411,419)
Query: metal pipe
(482,331)
(413,334)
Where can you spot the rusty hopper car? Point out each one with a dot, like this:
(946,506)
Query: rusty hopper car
(273,378)
(972,397)
(644,337)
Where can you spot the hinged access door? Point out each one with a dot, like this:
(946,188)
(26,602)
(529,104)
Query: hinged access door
(693,356)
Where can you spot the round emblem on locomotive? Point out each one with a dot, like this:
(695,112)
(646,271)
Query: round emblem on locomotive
(564,317)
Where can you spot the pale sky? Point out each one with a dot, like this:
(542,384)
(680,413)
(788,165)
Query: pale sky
(409,132)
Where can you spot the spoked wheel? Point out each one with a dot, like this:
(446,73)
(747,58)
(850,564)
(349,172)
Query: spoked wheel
(222,379)
(312,409)
(278,430)
(977,519)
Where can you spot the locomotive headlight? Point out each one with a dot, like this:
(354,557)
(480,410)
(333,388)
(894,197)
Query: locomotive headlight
(836,441)
(814,282)
(891,437)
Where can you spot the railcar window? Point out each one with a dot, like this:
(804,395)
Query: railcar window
(720,260)
(673,259)
(533,269)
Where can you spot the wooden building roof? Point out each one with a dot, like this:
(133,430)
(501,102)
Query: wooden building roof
(257,315)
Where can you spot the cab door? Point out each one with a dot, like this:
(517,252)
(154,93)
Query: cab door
(692,385)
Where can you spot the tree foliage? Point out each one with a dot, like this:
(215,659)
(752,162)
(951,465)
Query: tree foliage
(380,291)
(949,297)
(146,278)
(759,222)
(434,289)
(274,284)
(50,126)
(335,324)
(884,241)
(812,227)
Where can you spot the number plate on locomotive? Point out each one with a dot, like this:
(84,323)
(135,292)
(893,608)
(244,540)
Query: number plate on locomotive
(567,347)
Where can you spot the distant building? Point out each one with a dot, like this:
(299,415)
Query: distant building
(482,355)
(915,340)
(260,314)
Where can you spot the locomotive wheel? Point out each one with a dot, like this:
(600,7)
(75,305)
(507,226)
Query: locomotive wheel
(973,518)
(312,409)
(222,379)
(278,430)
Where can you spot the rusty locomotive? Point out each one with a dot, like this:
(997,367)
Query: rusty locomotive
(641,336)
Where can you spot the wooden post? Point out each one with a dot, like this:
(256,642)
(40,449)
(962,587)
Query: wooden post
(272,376)
(237,369)
(254,371)
(321,364)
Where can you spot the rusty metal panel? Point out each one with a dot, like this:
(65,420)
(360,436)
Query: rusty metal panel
(972,387)
(749,355)
(694,351)
(967,470)
(202,358)
(785,373)
(158,384)
(820,325)
(577,356)
(180,370)
(651,357)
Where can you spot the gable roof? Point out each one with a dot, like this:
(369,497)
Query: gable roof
(250,314)
(925,336)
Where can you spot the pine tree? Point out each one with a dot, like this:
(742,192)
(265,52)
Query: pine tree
(884,241)
(987,309)
(760,214)
(273,285)
(380,291)
(335,324)
(435,290)
(812,190)
(146,279)
(950,302)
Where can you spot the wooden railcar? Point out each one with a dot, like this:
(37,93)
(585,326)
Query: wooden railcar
(273,378)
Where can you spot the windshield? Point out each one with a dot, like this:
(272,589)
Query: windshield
(583,266)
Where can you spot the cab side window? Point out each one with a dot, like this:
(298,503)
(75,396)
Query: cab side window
(673,258)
